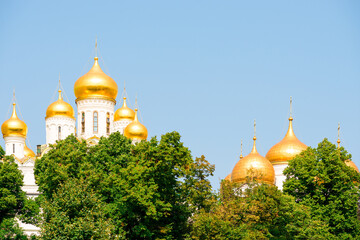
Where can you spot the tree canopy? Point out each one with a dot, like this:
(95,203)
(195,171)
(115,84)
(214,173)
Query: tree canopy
(146,191)
(259,211)
(320,179)
(13,200)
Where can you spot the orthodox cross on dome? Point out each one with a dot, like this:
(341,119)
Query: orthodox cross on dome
(241,156)
(124,94)
(59,82)
(136,102)
(290,107)
(338,141)
(254,129)
(96,47)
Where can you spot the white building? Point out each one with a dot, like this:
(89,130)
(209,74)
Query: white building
(95,94)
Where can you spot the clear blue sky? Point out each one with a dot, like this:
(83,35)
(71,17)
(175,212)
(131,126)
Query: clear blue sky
(204,68)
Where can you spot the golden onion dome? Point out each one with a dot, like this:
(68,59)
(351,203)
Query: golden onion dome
(287,148)
(135,130)
(228,178)
(351,164)
(253,166)
(14,126)
(124,113)
(60,108)
(95,84)
(28,152)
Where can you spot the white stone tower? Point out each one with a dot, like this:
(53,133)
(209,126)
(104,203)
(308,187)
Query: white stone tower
(284,151)
(60,120)
(14,132)
(95,94)
(123,117)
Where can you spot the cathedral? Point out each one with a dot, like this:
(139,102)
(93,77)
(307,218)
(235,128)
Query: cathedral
(269,169)
(95,94)
(96,117)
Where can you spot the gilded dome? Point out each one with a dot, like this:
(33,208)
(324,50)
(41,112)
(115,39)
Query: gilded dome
(135,130)
(95,84)
(228,178)
(60,108)
(14,126)
(253,166)
(287,148)
(28,152)
(124,113)
(351,164)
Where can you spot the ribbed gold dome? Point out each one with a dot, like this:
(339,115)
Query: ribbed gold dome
(124,113)
(253,166)
(135,130)
(14,126)
(60,108)
(28,152)
(287,148)
(351,164)
(95,84)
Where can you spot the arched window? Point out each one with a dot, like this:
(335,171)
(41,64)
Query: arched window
(95,117)
(82,122)
(59,133)
(108,123)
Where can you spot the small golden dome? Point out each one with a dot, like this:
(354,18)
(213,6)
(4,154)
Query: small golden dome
(253,166)
(135,130)
(124,113)
(351,164)
(95,84)
(28,152)
(14,126)
(287,148)
(228,178)
(60,108)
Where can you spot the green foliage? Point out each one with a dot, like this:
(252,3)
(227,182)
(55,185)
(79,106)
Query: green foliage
(2,152)
(9,230)
(75,212)
(13,201)
(319,179)
(258,212)
(149,190)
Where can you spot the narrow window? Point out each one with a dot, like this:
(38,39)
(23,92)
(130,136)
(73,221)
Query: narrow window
(59,133)
(108,123)
(13,148)
(82,122)
(95,122)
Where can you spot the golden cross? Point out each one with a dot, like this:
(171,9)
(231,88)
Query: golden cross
(254,127)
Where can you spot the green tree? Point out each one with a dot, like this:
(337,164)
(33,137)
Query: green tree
(13,201)
(150,190)
(2,153)
(258,212)
(75,212)
(319,179)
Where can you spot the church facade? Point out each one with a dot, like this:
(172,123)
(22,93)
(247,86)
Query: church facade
(96,117)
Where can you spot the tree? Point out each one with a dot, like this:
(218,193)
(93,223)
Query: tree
(75,212)
(319,179)
(149,190)
(2,153)
(257,212)
(13,201)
